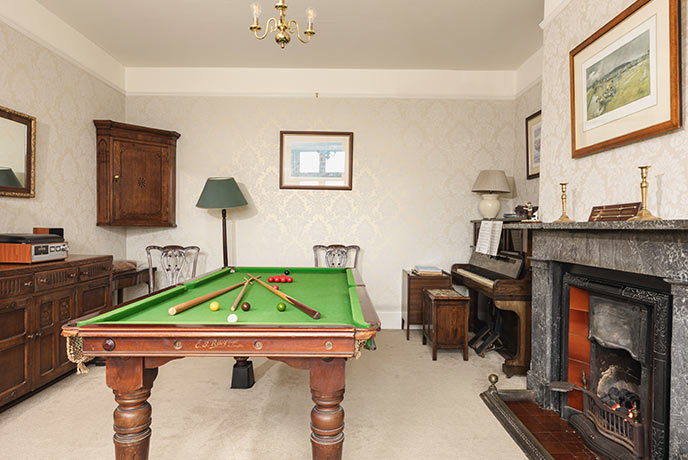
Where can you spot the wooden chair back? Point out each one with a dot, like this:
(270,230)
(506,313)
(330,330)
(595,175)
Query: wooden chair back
(172,261)
(336,255)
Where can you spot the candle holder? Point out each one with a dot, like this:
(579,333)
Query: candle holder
(564,217)
(644,214)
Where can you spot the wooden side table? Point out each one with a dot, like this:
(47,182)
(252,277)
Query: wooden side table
(412,297)
(445,320)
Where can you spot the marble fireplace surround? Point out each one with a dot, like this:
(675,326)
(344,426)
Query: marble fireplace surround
(658,248)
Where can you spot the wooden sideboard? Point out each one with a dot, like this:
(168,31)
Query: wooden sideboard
(35,301)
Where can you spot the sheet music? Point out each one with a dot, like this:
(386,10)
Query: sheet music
(489,236)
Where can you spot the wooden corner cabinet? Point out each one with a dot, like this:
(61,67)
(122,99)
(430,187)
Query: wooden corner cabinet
(35,301)
(136,175)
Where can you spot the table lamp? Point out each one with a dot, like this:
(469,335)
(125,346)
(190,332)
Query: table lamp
(221,193)
(8,178)
(491,183)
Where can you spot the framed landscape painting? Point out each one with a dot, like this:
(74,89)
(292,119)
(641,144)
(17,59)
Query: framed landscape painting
(625,82)
(533,144)
(316,160)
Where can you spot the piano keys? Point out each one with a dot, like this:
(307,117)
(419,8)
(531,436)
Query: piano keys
(505,280)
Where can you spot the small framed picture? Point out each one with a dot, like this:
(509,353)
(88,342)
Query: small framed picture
(533,144)
(625,79)
(316,160)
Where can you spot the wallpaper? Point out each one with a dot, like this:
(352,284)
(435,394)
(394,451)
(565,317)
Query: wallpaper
(414,162)
(612,176)
(526,104)
(65,100)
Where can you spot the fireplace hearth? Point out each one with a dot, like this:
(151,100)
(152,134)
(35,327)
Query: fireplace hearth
(643,265)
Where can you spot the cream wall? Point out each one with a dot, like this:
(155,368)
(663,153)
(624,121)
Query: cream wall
(611,176)
(65,100)
(414,163)
(526,104)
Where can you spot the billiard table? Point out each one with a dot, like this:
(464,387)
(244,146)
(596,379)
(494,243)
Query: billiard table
(140,336)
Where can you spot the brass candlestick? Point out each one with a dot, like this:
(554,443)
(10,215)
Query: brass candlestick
(564,217)
(644,214)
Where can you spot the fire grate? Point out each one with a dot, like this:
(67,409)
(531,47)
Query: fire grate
(622,429)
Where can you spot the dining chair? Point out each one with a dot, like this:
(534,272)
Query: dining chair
(172,261)
(336,255)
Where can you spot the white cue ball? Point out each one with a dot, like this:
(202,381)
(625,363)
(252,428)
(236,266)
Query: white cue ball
(232,318)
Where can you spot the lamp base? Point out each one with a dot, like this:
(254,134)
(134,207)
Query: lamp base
(564,218)
(489,205)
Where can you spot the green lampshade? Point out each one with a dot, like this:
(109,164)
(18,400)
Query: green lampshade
(8,178)
(221,193)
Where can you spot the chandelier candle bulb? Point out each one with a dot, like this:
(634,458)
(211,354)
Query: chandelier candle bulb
(255,8)
(311,16)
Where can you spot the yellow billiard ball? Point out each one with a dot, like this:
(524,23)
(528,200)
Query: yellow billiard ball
(214,306)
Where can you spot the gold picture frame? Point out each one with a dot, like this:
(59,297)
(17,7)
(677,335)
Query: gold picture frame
(625,83)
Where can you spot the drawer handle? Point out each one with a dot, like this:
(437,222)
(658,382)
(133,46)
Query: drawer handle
(28,283)
(71,275)
(43,280)
(84,273)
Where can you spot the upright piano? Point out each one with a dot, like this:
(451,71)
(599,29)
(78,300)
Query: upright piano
(505,279)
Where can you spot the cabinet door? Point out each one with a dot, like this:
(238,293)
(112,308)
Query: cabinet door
(141,187)
(93,296)
(49,352)
(14,349)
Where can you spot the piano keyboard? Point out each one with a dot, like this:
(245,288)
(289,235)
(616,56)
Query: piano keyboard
(477,278)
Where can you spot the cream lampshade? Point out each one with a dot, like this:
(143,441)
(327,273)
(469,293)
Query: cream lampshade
(491,182)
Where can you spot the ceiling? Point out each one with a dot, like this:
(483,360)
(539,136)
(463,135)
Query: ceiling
(353,34)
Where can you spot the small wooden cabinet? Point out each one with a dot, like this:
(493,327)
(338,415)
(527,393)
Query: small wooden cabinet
(412,295)
(136,175)
(35,301)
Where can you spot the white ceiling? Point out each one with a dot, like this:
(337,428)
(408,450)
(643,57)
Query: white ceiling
(353,34)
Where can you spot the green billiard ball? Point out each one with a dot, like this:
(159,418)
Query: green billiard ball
(246,306)
(281,306)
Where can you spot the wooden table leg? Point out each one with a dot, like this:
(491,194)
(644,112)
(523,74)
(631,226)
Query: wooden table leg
(131,383)
(327,417)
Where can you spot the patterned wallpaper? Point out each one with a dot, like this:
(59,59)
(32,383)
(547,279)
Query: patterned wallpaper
(611,176)
(65,100)
(414,164)
(527,104)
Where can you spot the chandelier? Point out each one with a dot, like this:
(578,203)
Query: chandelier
(282,26)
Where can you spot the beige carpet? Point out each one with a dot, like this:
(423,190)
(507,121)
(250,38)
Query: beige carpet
(399,405)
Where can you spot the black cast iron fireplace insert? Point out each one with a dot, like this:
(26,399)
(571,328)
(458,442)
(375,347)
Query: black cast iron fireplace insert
(625,397)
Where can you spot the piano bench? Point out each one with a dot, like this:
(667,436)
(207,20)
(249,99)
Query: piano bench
(445,320)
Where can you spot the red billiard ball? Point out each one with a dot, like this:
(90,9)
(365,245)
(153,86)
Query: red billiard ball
(271,279)
(283,279)
(289,279)
(274,286)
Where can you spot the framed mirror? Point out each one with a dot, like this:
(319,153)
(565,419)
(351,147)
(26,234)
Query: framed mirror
(17,154)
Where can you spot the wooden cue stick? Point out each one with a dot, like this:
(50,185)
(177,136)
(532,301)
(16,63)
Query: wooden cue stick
(241,293)
(193,302)
(304,308)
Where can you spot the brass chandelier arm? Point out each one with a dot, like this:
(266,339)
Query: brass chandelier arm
(270,27)
(309,32)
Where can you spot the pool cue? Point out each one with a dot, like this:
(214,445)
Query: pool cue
(241,293)
(193,302)
(304,308)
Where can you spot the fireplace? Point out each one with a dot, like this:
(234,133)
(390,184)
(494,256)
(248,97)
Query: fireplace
(608,342)
(638,268)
